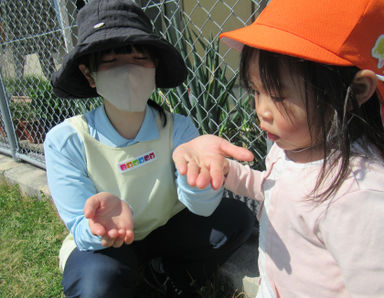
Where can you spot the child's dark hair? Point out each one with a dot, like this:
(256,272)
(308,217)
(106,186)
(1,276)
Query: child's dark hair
(92,61)
(336,111)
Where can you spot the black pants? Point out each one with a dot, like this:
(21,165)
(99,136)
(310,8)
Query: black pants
(190,246)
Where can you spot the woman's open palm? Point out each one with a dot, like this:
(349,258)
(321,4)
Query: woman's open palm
(110,218)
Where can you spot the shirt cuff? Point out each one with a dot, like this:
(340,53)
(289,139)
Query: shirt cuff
(201,202)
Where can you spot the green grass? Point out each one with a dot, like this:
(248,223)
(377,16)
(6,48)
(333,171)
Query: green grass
(31,234)
(30,237)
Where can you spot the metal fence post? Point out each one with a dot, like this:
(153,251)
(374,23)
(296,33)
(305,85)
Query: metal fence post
(62,10)
(6,115)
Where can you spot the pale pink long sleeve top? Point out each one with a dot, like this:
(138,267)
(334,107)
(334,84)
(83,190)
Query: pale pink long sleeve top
(307,249)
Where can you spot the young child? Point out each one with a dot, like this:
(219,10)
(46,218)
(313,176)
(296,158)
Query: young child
(111,173)
(312,67)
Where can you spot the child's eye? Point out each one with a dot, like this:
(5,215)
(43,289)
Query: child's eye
(253,92)
(255,95)
(252,89)
(277,98)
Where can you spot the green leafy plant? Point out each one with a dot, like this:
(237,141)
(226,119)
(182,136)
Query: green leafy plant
(52,109)
(44,104)
(22,111)
(207,92)
(35,109)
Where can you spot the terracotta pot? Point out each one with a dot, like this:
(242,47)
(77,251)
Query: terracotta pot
(31,130)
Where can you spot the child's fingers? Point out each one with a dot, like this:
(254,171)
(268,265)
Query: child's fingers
(236,152)
(192,172)
(203,179)
(181,164)
(217,173)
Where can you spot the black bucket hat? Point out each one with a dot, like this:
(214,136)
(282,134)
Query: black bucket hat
(108,24)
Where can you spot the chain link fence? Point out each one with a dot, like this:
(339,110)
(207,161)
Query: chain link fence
(34,35)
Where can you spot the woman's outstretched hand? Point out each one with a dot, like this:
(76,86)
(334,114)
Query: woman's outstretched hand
(110,218)
(203,160)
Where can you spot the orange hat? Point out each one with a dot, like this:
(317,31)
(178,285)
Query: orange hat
(341,32)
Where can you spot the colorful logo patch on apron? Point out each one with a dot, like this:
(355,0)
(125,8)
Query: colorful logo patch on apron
(137,162)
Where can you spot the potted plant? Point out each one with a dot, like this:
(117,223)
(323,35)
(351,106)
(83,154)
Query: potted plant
(35,109)
(25,120)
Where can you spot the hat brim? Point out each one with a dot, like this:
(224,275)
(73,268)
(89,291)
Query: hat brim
(279,41)
(69,82)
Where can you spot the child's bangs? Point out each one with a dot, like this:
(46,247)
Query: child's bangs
(270,65)
(270,70)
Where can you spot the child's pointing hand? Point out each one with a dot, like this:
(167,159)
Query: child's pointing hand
(203,160)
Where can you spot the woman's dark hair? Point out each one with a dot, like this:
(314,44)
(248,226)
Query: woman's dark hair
(331,106)
(92,62)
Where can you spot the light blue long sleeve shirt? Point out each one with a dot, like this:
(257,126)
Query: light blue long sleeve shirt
(70,185)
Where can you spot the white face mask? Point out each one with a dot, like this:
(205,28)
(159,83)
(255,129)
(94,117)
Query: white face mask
(127,87)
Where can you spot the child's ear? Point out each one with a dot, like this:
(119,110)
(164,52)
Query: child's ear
(364,85)
(87,74)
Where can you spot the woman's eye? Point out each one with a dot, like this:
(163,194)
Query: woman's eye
(142,58)
(108,60)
